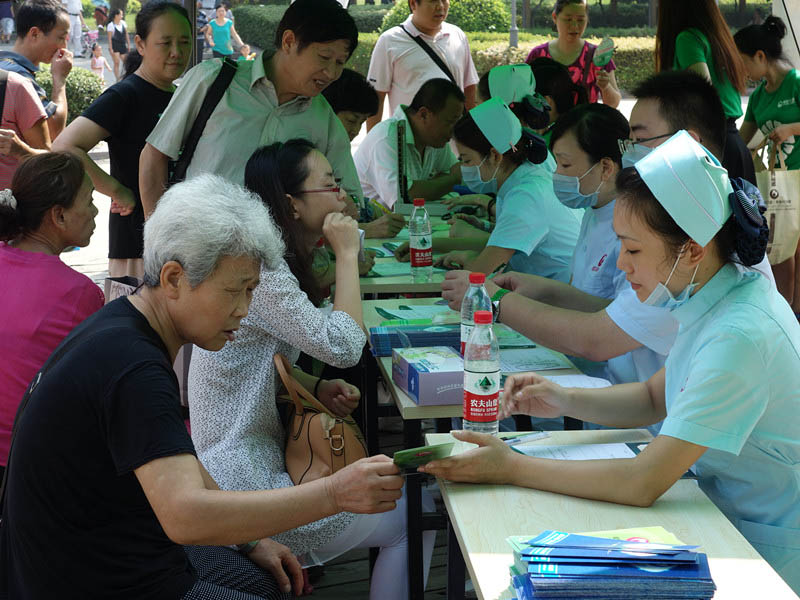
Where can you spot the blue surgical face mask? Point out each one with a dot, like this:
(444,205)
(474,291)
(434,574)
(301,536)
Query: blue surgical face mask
(471,177)
(567,189)
(661,297)
(630,158)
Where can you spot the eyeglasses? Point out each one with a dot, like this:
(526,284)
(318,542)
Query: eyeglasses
(335,189)
(627,144)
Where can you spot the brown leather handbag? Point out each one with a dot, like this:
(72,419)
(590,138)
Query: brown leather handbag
(317,442)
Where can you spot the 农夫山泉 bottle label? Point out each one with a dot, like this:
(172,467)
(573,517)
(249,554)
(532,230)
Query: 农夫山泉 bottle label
(421,250)
(481,395)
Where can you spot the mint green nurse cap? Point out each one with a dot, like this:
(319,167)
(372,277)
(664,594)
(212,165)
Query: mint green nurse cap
(511,83)
(690,184)
(498,124)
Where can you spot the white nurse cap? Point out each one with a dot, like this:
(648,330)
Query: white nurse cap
(511,83)
(690,184)
(498,124)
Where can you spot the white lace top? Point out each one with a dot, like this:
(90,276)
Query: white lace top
(235,424)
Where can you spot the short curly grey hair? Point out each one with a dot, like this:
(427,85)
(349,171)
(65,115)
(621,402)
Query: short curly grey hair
(200,221)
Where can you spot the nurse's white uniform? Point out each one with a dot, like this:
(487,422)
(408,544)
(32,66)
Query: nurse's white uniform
(594,263)
(532,222)
(733,385)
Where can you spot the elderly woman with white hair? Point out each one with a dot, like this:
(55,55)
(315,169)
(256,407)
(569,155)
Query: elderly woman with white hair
(103,487)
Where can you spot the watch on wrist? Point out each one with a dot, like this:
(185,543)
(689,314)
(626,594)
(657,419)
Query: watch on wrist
(498,295)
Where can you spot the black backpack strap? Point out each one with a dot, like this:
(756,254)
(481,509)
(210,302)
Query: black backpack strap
(434,57)
(213,96)
(3,85)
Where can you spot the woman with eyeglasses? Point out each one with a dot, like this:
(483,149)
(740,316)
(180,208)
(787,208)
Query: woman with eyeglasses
(236,428)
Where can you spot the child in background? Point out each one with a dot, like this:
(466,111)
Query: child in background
(99,63)
(244,50)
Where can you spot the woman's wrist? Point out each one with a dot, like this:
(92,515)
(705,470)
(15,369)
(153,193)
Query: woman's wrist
(316,387)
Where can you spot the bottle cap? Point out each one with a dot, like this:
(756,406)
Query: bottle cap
(477,278)
(482,317)
(419,201)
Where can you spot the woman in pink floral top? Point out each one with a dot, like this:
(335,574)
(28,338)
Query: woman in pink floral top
(570,18)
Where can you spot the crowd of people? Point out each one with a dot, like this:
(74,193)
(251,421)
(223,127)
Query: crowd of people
(636,246)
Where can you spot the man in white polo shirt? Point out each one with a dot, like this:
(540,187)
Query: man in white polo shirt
(431,168)
(400,64)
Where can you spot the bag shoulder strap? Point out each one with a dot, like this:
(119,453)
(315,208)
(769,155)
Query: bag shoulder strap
(210,102)
(430,52)
(296,391)
(3,86)
(588,66)
(51,362)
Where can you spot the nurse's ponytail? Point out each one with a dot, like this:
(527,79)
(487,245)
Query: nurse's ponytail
(746,232)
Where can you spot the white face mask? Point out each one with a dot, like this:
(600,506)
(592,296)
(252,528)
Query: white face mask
(661,297)
(631,157)
(471,177)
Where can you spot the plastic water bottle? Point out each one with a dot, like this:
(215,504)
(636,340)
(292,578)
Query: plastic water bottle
(476,298)
(420,243)
(481,376)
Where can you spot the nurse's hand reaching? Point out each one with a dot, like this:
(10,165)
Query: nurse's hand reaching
(521,283)
(491,462)
(402,253)
(467,200)
(531,394)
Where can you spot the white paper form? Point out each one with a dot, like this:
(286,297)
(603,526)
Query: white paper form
(578,451)
(578,381)
(520,360)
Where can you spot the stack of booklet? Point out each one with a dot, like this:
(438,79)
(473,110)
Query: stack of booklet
(384,339)
(567,565)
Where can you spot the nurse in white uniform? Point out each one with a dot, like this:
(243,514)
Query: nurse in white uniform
(534,233)
(730,391)
(584,142)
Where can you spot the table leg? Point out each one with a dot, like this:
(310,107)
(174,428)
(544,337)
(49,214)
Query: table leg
(416,586)
(455,566)
(369,404)
(412,433)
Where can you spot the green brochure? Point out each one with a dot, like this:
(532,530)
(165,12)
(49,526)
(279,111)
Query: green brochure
(415,457)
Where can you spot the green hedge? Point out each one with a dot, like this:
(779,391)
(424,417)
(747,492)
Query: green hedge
(368,18)
(633,57)
(257,24)
(469,15)
(634,14)
(83,88)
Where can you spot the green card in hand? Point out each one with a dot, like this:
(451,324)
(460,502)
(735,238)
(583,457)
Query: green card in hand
(415,457)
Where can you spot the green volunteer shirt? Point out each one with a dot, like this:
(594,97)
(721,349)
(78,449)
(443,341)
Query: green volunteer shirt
(692,47)
(769,110)
(247,117)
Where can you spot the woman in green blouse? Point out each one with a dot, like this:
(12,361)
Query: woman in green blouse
(692,34)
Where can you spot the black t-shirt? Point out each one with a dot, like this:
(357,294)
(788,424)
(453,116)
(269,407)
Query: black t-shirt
(76,523)
(128,110)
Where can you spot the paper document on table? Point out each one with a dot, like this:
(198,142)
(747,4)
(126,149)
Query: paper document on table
(578,381)
(437,313)
(520,360)
(578,451)
(508,338)
(394,269)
